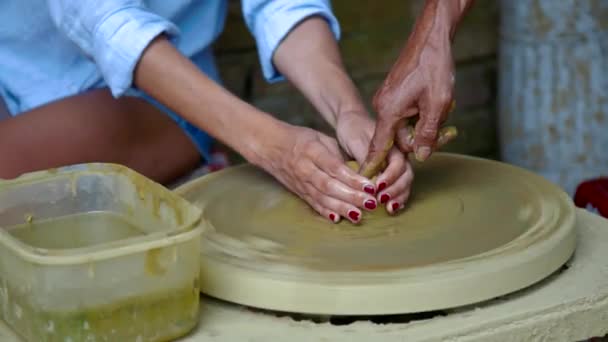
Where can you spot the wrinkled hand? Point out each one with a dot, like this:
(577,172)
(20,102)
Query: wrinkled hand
(354,132)
(420,85)
(311,165)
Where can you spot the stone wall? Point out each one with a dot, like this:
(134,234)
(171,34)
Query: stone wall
(373,32)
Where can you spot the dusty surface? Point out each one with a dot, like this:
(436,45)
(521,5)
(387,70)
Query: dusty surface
(569,306)
(265,222)
(572,305)
(470,221)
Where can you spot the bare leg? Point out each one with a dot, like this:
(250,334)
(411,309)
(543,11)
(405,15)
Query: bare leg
(95,127)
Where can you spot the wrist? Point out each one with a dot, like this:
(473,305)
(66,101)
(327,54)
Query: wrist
(264,144)
(452,12)
(339,97)
(439,19)
(352,112)
(335,94)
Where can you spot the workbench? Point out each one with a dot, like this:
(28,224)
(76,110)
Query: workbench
(571,305)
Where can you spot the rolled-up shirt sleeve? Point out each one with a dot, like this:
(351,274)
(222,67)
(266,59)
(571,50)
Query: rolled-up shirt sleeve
(113,33)
(270,21)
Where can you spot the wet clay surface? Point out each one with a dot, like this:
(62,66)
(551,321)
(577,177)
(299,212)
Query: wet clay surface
(459,208)
(470,221)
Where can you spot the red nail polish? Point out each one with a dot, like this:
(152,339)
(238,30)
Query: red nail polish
(369,189)
(395,206)
(332,217)
(381,186)
(353,215)
(370,204)
(385,198)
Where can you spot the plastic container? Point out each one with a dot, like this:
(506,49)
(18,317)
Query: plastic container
(97,252)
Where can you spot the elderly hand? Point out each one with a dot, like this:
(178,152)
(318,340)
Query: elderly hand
(354,131)
(421,85)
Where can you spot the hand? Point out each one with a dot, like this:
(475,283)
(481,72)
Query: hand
(421,83)
(311,165)
(354,132)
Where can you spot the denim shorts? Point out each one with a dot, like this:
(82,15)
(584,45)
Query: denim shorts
(202,141)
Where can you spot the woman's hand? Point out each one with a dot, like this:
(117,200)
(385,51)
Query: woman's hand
(354,132)
(310,58)
(311,165)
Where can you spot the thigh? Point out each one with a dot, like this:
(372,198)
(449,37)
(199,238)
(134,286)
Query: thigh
(95,127)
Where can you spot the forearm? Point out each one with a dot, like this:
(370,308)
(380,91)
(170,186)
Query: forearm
(442,17)
(458,12)
(173,80)
(310,59)
(435,28)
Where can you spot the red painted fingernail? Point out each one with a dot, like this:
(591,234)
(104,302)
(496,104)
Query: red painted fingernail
(370,204)
(353,215)
(395,206)
(385,198)
(381,186)
(369,189)
(332,217)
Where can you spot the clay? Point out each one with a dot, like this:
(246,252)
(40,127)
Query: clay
(468,220)
(371,168)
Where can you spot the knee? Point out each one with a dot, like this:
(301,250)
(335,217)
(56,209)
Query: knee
(14,163)
(8,171)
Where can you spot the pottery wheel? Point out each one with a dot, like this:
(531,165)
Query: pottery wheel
(473,230)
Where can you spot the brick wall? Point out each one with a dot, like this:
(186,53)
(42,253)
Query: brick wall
(373,34)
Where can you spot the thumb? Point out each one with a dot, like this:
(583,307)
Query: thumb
(380,145)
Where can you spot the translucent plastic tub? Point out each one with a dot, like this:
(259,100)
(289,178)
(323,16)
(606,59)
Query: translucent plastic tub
(97,252)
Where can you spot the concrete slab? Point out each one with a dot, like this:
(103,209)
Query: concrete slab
(571,305)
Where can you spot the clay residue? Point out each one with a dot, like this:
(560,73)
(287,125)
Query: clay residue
(152,263)
(459,208)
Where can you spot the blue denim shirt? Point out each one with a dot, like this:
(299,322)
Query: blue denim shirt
(50,49)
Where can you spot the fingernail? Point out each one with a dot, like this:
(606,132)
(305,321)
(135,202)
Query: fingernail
(332,217)
(381,186)
(422,153)
(353,215)
(385,198)
(369,189)
(395,206)
(370,204)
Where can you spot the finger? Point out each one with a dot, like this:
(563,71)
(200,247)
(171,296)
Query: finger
(446,135)
(427,127)
(331,215)
(393,207)
(405,139)
(425,137)
(337,169)
(399,192)
(379,147)
(328,206)
(333,188)
(396,168)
